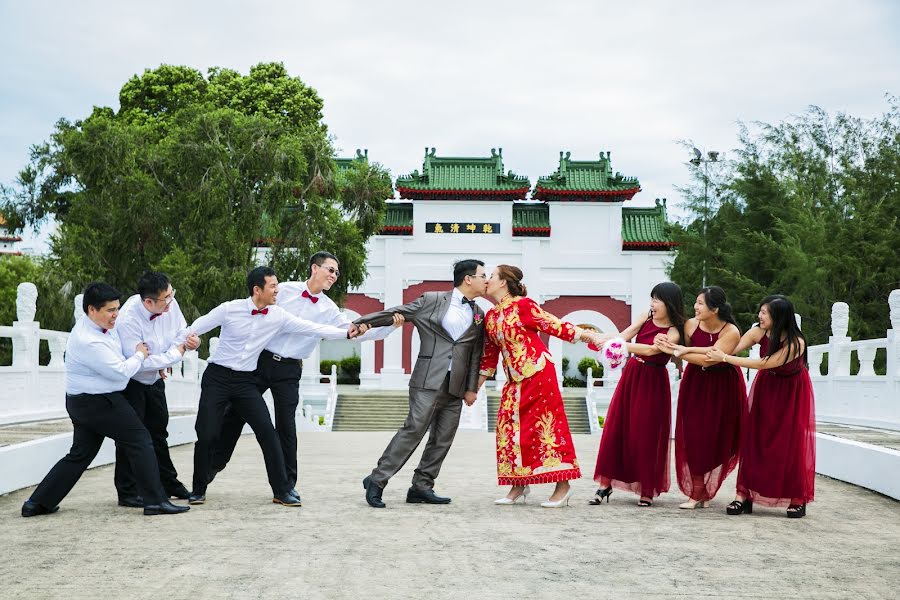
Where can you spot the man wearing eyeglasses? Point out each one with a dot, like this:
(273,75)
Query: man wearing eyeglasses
(151,316)
(280,365)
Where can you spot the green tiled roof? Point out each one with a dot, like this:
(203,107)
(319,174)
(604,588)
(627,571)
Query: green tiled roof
(344,164)
(398,220)
(531,219)
(445,177)
(586,181)
(646,228)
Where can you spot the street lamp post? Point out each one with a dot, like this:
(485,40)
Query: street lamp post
(711,157)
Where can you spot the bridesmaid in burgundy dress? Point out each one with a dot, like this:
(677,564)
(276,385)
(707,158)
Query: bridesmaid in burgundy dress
(634,446)
(778,448)
(712,401)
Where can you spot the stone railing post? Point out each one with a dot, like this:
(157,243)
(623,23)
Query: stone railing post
(838,355)
(893,343)
(57,345)
(26,341)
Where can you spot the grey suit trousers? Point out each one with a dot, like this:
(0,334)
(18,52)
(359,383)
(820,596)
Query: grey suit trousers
(434,409)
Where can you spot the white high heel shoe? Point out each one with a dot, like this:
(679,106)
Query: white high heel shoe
(523,496)
(692,504)
(564,501)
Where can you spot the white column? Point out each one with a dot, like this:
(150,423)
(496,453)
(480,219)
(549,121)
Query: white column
(392,375)
(367,378)
(311,374)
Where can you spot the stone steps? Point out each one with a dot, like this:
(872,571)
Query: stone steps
(370,412)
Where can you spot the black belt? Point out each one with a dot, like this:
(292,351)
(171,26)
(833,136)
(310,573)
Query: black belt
(722,367)
(287,359)
(647,362)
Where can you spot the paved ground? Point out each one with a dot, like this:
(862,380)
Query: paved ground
(239,545)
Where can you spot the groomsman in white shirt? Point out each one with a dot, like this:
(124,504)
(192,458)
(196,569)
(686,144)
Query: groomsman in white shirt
(280,365)
(151,316)
(248,326)
(96,374)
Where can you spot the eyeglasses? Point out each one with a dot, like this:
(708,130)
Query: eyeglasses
(483,276)
(331,270)
(168,299)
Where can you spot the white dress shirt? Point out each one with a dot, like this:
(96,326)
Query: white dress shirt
(135,324)
(245,335)
(459,317)
(323,311)
(94,360)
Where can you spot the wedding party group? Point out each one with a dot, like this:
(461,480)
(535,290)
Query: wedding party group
(117,359)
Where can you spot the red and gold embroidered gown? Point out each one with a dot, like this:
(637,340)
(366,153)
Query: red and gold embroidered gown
(634,445)
(778,447)
(533,440)
(712,406)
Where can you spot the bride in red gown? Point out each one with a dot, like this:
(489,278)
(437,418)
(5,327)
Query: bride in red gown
(634,445)
(778,447)
(533,440)
(712,401)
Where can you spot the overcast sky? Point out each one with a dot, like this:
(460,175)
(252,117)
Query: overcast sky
(531,77)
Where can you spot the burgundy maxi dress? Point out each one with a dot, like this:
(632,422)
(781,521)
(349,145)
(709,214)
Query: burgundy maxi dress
(712,405)
(778,448)
(634,445)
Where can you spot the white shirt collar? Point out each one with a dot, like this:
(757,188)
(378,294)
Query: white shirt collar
(458,296)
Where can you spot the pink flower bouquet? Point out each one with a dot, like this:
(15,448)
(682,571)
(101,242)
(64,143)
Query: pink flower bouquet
(613,354)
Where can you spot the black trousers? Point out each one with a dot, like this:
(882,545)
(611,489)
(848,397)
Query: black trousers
(222,387)
(283,378)
(95,417)
(149,402)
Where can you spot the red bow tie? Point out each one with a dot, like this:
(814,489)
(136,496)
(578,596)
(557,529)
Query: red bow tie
(154,315)
(264,311)
(312,298)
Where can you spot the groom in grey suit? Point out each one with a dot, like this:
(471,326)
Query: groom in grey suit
(451,334)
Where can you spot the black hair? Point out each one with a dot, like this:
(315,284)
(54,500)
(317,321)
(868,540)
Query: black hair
(784,324)
(257,278)
(670,294)
(319,259)
(98,294)
(714,297)
(465,267)
(152,284)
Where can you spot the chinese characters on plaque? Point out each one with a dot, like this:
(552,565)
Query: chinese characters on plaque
(462,227)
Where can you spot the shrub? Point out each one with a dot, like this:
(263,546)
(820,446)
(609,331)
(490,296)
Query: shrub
(325,366)
(600,420)
(565,365)
(573,382)
(350,368)
(589,363)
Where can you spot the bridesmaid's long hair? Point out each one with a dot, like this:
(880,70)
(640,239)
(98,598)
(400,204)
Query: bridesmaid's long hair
(714,296)
(784,324)
(513,278)
(670,294)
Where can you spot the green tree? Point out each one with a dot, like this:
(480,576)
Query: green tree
(191,175)
(810,209)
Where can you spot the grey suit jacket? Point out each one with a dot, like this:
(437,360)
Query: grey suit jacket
(436,347)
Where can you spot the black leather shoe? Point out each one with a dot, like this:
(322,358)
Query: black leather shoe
(373,493)
(179,492)
(424,496)
(165,508)
(131,501)
(33,509)
(288,499)
(197,498)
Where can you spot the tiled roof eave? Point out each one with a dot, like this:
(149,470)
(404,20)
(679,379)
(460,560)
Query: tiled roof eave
(541,192)
(648,245)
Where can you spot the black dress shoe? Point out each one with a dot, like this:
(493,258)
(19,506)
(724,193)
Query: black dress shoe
(165,508)
(179,492)
(131,501)
(287,499)
(425,496)
(197,498)
(373,493)
(33,509)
